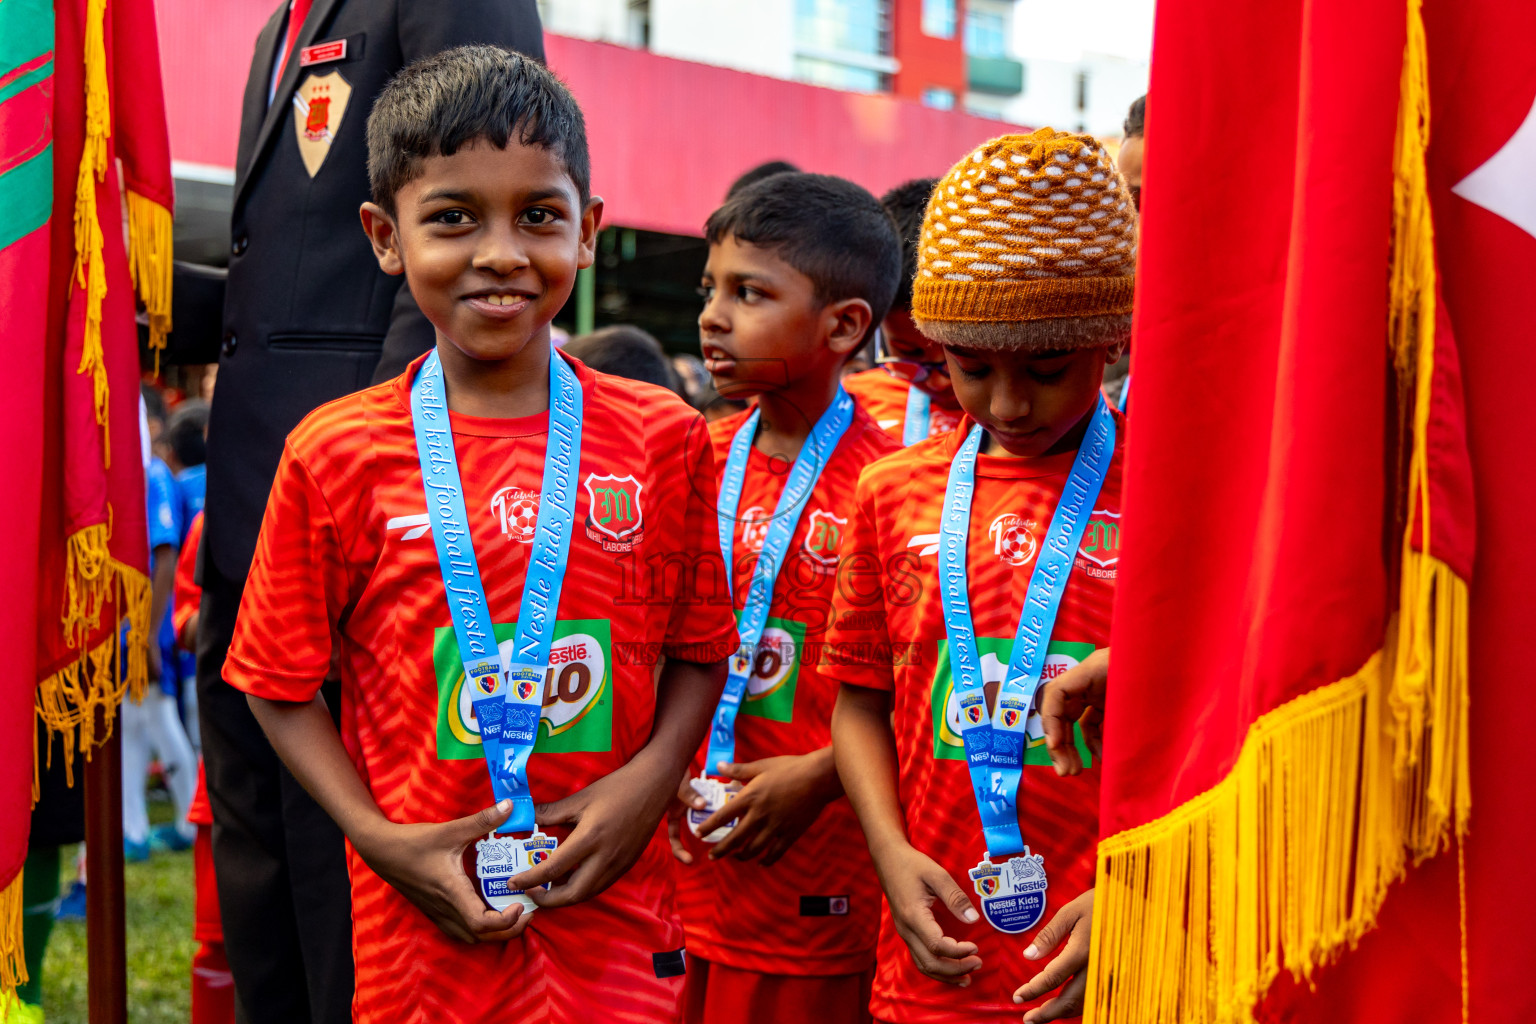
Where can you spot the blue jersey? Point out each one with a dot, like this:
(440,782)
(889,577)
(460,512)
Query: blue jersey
(166,528)
(191,485)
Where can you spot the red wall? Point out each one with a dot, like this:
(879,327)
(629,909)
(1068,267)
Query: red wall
(205,54)
(667,136)
(926,61)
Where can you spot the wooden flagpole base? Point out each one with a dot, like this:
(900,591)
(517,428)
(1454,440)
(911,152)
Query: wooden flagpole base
(107,980)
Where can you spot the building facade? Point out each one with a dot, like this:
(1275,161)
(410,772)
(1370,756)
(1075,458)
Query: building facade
(946,54)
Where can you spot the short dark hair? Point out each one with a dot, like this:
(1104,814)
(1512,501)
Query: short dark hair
(442,103)
(625,351)
(1136,118)
(186,432)
(906,203)
(758,173)
(831,230)
(154,403)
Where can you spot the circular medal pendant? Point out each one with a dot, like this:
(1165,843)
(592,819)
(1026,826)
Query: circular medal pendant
(499,858)
(1013,892)
(716,795)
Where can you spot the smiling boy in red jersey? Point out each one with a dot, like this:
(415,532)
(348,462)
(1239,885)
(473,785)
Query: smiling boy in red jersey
(1025,277)
(480,176)
(782,913)
(909,395)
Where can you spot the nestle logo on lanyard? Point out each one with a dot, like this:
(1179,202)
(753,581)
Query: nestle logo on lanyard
(323,53)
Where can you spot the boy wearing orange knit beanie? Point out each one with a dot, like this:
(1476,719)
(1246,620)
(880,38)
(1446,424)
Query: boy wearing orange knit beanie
(980,564)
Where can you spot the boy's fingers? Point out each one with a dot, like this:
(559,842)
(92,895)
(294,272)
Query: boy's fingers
(736,807)
(566,811)
(490,922)
(1050,936)
(1065,1006)
(483,822)
(1051,977)
(954,898)
(686,796)
(675,837)
(584,880)
(928,934)
(744,772)
(566,859)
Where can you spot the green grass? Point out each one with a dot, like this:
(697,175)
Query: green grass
(159,932)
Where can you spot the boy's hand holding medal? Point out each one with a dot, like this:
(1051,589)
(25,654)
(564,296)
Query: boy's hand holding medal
(425,863)
(773,801)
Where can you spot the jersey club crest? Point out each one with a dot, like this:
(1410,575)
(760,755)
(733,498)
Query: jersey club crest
(823,534)
(318,107)
(614,515)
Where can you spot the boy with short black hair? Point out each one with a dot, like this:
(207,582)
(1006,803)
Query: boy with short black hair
(477,546)
(908,393)
(782,906)
(983,562)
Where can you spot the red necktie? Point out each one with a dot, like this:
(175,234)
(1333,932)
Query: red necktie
(298,10)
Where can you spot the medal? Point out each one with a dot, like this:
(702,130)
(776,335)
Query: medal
(803,475)
(506,682)
(1015,886)
(716,795)
(1013,892)
(499,858)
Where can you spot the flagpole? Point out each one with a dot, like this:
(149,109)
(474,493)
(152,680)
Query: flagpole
(107,967)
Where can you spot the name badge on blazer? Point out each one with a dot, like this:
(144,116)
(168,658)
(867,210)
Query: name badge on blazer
(323,53)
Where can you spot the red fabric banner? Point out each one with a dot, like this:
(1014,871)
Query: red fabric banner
(1482,89)
(1256,476)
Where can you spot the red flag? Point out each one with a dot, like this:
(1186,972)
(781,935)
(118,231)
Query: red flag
(1482,165)
(1286,731)
(71,320)
(26,201)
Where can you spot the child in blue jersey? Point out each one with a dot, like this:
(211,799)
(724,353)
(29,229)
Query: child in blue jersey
(153,727)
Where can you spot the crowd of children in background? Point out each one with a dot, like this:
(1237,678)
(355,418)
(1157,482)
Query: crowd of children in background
(898,395)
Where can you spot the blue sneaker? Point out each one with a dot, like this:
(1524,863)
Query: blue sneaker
(72,906)
(168,837)
(135,853)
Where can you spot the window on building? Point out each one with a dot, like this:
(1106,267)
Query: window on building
(834,75)
(639,23)
(938,99)
(939,18)
(856,26)
(985,34)
(844,44)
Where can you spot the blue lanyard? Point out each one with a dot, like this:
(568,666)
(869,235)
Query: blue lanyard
(803,475)
(994,747)
(915,428)
(508,693)
(1125,393)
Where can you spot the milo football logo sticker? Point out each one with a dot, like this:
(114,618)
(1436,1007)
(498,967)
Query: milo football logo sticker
(775,671)
(577,712)
(947,712)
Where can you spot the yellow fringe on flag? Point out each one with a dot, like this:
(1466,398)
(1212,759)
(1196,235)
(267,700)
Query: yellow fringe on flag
(67,701)
(1285,863)
(149,261)
(13,961)
(90,273)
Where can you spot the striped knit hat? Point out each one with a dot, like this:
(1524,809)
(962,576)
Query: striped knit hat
(1027,228)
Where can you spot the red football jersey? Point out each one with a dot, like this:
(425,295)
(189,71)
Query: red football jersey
(888,633)
(346,568)
(189,595)
(816,911)
(884,397)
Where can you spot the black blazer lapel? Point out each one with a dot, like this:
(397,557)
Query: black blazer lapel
(253,108)
(278,112)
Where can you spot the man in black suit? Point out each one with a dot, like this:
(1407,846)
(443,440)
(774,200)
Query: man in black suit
(307,315)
